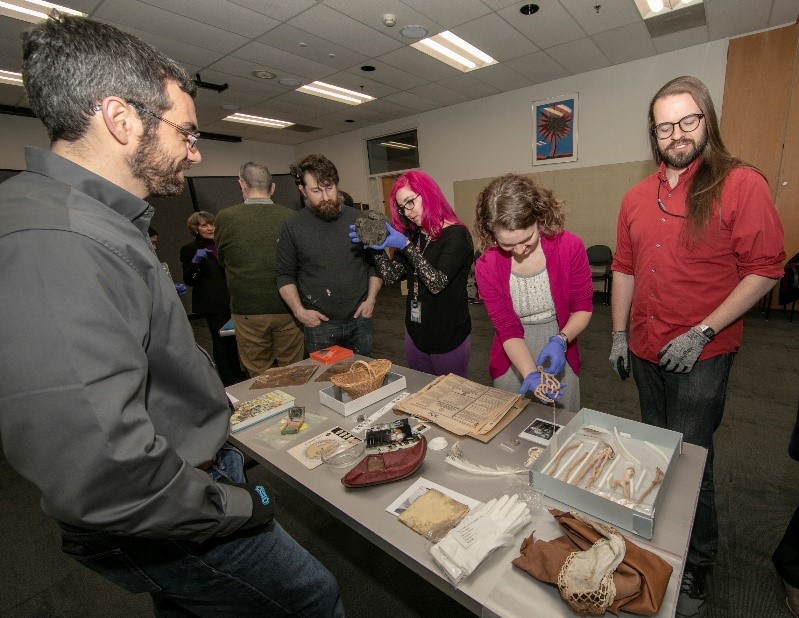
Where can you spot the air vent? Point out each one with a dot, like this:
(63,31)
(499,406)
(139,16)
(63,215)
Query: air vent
(301,128)
(677,20)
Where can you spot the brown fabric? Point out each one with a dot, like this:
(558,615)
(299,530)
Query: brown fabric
(641,579)
(386,467)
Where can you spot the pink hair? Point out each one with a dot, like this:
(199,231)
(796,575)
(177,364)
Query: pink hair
(437,210)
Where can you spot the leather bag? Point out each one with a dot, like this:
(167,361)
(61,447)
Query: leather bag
(387,467)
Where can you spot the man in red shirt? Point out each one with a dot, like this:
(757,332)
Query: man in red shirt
(699,242)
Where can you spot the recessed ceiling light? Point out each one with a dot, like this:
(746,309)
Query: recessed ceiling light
(413,32)
(335,93)
(9,77)
(33,10)
(450,49)
(528,9)
(289,81)
(258,121)
(231,107)
(264,74)
(367,67)
(349,120)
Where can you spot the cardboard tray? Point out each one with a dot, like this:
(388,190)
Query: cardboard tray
(627,518)
(341,402)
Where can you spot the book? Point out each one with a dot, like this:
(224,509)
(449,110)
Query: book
(228,330)
(331,355)
(268,405)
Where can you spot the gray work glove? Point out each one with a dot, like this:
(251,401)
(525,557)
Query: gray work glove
(620,355)
(680,354)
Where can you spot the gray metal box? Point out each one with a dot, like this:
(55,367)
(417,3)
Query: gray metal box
(625,517)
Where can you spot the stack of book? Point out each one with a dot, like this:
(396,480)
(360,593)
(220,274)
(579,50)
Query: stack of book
(266,406)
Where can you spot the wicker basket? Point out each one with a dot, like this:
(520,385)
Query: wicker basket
(363,377)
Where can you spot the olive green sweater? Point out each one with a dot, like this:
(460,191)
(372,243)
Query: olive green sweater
(246,237)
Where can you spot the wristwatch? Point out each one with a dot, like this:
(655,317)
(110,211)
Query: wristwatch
(708,332)
(563,337)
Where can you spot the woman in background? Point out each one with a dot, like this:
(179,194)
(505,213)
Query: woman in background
(435,253)
(535,281)
(210,297)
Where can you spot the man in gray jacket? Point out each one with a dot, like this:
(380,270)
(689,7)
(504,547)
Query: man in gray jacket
(106,403)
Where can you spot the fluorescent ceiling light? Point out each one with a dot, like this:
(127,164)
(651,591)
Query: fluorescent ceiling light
(258,121)
(656,8)
(334,93)
(8,77)
(33,11)
(450,49)
(398,145)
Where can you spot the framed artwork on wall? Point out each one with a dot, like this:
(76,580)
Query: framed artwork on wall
(555,130)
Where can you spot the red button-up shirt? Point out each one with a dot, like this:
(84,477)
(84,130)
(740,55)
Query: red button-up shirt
(678,284)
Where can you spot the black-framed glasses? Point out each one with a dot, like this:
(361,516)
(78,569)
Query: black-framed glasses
(191,136)
(686,123)
(408,204)
(662,206)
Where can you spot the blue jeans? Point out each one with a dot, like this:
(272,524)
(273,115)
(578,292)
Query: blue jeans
(693,404)
(355,335)
(260,572)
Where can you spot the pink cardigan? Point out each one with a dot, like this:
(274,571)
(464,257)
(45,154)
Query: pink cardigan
(569,280)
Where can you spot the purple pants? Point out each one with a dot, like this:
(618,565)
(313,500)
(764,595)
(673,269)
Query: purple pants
(455,361)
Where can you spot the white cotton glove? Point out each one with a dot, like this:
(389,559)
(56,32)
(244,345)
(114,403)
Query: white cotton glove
(487,527)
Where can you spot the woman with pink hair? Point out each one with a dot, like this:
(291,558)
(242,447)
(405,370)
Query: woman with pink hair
(434,251)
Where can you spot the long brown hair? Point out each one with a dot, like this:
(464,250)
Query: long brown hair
(515,202)
(716,162)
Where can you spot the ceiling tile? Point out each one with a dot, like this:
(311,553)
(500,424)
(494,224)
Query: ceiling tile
(168,25)
(237,74)
(538,68)
(360,83)
(334,26)
(578,56)
(439,93)
(277,9)
(415,62)
(220,14)
(389,75)
(496,37)
(469,85)
(783,12)
(680,40)
(408,99)
(382,106)
(552,25)
(267,56)
(450,13)
(371,14)
(288,38)
(630,42)
(502,77)
(611,14)
(734,17)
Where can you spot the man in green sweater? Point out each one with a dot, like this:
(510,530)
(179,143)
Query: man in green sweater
(246,237)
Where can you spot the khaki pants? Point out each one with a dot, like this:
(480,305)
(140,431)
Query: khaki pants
(265,338)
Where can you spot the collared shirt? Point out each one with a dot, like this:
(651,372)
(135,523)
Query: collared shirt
(258,200)
(679,283)
(106,402)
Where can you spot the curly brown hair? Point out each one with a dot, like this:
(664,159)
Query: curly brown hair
(515,202)
(318,166)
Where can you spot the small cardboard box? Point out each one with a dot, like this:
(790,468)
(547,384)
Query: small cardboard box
(630,519)
(341,402)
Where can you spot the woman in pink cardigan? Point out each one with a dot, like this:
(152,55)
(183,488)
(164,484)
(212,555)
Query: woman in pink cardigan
(536,284)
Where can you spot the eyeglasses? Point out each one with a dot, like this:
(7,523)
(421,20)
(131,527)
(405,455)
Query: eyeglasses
(662,206)
(408,204)
(191,136)
(687,124)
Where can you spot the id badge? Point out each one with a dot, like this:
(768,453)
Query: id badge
(416,311)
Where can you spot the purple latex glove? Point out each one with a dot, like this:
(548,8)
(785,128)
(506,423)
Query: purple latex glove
(395,240)
(200,255)
(532,381)
(181,289)
(554,352)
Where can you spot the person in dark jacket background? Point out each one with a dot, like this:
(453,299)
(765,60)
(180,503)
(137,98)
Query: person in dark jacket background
(210,297)
(786,556)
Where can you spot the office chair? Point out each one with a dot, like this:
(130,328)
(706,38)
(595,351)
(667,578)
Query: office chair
(599,259)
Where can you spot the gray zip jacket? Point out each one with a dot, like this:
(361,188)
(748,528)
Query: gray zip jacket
(106,402)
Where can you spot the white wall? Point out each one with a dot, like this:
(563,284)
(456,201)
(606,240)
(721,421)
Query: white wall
(477,139)
(493,135)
